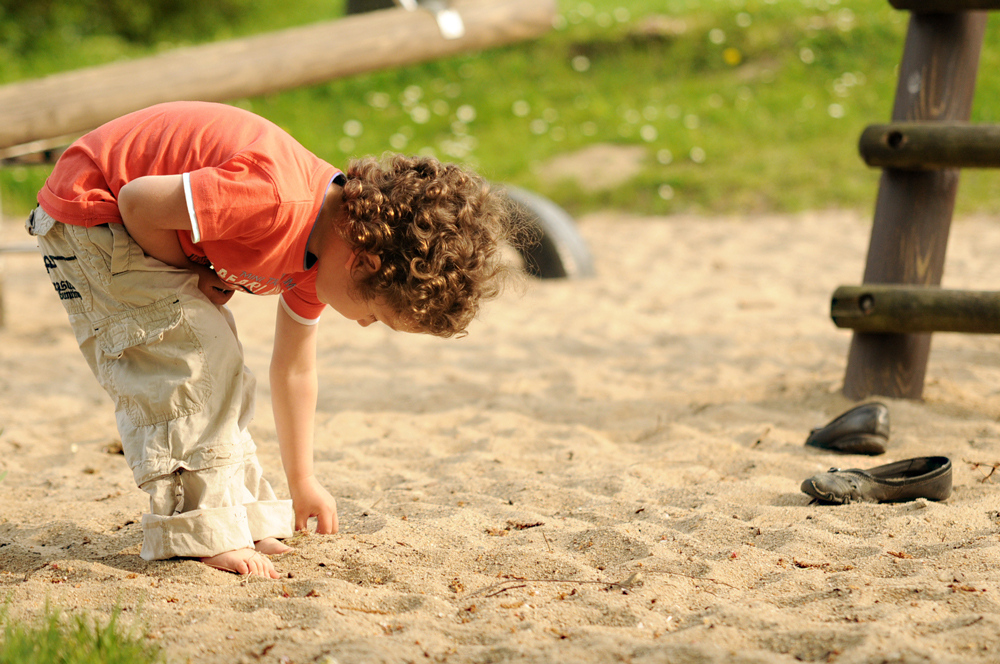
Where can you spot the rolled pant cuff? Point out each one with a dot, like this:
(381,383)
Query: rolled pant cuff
(195,534)
(271,518)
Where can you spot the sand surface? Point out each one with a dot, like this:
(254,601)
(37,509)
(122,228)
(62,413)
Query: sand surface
(604,470)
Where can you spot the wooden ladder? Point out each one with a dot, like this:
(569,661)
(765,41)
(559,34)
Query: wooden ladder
(921,151)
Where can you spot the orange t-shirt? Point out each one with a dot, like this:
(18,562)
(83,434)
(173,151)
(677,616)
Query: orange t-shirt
(253,192)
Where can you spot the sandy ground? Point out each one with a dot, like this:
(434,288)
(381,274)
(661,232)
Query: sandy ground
(603,470)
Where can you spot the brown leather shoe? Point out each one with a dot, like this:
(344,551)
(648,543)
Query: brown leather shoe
(863,429)
(923,477)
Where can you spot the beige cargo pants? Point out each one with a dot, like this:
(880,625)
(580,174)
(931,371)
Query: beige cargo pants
(172,364)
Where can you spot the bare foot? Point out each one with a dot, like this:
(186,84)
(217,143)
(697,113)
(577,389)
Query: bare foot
(271,546)
(243,561)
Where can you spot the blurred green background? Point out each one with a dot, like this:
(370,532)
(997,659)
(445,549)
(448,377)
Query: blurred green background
(730,106)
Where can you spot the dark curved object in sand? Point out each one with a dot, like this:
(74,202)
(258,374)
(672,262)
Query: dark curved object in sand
(922,477)
(863,429)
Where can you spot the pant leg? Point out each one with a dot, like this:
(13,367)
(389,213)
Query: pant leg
(183,514)
(172,363)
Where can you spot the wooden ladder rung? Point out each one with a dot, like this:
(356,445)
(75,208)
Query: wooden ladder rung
(927,146)
(904,309)
(944,6)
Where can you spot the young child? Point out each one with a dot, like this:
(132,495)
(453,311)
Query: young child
(150,223)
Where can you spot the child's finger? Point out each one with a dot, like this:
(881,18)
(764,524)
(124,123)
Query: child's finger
(301,521)
(326,522)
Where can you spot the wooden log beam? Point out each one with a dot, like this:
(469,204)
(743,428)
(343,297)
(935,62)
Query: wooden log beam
(77,101)
(913,210)
(930,146)
(900,309)
(944,6)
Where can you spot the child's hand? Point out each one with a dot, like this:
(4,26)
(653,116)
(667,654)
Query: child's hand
(311,499)
(214,288)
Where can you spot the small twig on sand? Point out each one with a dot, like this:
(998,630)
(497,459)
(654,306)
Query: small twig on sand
(514,582)
(503,590)
(520,582)
(978,465)
(689,576)
(353,608)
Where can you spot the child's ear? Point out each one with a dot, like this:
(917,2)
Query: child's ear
(366,263)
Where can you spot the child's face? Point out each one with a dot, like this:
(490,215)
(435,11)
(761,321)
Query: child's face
(342,300)
(379,313)
(335,286)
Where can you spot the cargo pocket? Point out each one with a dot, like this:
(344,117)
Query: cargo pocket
(153,363)
(125,252)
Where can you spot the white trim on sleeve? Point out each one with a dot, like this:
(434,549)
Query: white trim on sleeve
(189,199)
(294,316)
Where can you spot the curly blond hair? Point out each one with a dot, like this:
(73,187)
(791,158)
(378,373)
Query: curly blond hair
(437,229)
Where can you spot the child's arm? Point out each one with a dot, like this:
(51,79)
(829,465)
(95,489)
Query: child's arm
(293,398)
(153,209)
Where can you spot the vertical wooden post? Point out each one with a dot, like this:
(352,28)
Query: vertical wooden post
(913,210)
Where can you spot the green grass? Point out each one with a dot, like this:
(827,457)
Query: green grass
(742,106)
(53,639)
